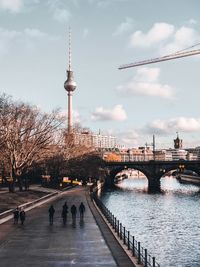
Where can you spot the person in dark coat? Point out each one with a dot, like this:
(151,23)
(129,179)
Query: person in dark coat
(22,216)
(64,213)
(16,215)
(73,212)
(81,211)
(51,214)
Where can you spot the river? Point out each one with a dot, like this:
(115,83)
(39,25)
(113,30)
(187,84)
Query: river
(166,223)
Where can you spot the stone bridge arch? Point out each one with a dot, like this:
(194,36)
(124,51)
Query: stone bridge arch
(115,171)
(153,170)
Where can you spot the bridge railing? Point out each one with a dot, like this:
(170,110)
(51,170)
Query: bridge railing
(138,251)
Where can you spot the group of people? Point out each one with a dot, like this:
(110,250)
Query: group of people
(19,213)
(65,212)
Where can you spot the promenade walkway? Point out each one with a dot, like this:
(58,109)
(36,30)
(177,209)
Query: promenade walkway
(39,244)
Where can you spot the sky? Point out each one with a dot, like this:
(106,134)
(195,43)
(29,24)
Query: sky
(131,104)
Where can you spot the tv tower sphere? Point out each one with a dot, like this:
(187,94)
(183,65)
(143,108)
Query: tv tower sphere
(70,84)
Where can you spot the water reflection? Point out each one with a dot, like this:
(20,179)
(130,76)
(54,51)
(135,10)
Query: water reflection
(169,185)
(167,224)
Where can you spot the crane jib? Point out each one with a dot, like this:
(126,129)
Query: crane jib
(159,59)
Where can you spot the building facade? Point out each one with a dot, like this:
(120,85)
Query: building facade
(98,141)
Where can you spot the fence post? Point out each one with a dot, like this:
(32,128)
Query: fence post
(118,227)
(133,248)
(139,256)
(154,262)
(145,259)
(110,214)
(128,240)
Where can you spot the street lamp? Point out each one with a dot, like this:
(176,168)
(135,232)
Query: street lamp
(181,168)
(129,155)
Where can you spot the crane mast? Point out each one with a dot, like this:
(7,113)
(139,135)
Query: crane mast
(159,59)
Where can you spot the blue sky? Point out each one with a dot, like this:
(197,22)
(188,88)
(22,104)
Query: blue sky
(132,104)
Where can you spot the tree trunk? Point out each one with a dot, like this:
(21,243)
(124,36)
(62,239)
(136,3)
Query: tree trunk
(11,187)
(26,184)
(20,183)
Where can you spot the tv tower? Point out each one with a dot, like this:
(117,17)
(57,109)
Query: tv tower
(70,86)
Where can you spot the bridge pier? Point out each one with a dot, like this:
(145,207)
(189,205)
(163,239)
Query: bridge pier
(154,185)
(109,181)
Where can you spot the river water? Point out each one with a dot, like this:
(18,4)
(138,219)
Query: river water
(166,223)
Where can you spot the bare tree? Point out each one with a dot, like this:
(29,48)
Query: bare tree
(26,133)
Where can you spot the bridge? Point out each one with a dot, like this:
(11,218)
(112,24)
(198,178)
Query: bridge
(153,170)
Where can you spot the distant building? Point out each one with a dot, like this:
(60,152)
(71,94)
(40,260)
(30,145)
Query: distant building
(163,155)
(137,154)
(103,141)
(90,139)
(178,154)
(178,143)
(83,138)
(193,153)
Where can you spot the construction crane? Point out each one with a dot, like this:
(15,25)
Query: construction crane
(176,55)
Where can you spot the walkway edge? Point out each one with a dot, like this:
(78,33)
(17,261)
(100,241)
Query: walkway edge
(8,215)
(122,257)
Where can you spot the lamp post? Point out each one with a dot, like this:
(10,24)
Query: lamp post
(129,155)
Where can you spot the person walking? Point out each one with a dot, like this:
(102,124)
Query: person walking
(16,215)
(22,216)
(73,212)
(51,214)
(64,213)
(81,211)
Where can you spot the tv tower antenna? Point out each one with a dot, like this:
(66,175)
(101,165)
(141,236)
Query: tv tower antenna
(70,86)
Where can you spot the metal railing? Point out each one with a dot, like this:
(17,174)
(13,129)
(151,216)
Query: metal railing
(132,244)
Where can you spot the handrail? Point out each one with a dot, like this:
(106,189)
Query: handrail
(132,244)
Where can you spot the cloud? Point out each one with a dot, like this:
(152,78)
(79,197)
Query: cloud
(182,38)
(59,11)
(165,37)
(146,82)
(123,27)
(115,114)
(130,138)
(159,32)
(85,33)
(61,15)
(138,136)
(28,36)
(104,3)
(27,32)
(192,21)
(182,124)
(34,33)
(13,6)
